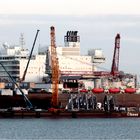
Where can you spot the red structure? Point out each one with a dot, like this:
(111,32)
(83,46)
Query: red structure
(55,69)
(97,90)
(114,90)
(84,90)
(115,62)
(130,90)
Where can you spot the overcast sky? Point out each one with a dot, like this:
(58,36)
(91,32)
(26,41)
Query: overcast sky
(97,23)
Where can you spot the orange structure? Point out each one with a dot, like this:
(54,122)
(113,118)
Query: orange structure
(55,69)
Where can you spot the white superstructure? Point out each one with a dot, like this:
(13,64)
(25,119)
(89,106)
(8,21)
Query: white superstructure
(15,59)
(70,60)
(36,69)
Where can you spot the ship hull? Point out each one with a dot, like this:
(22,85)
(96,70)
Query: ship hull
(43,102)
(66,114)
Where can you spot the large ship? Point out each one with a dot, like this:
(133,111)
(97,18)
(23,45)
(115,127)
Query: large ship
(79,87)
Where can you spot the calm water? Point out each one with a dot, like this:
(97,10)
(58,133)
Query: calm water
(79,129)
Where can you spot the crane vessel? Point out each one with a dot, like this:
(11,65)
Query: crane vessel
(96,102)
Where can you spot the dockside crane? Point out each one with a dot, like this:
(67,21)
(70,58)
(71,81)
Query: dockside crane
(115,61)
(54,69)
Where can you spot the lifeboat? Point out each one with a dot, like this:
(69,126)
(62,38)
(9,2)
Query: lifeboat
(83,90)
(114,90)
(97,90)
(130,90)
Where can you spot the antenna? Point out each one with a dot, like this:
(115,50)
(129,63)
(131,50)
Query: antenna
(22,40)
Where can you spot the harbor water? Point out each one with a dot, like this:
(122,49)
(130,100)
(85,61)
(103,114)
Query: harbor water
(70,129)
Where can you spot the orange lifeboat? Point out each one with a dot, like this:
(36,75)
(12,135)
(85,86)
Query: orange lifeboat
(97,90)
(130,90)
(83,90)
(114,90)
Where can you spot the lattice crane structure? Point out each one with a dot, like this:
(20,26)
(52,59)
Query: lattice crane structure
(115,61)
(55,69)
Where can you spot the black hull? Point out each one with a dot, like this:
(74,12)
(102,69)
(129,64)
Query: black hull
(66,114)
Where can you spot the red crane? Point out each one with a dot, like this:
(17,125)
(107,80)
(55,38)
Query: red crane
(55,69)
(115,61)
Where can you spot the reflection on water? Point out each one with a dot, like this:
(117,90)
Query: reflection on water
(118,128)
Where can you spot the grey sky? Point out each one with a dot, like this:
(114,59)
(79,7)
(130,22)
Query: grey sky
(96,21)
(69,7)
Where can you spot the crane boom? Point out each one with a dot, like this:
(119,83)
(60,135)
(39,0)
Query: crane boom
(115,61)
(24,74)
(55,69)
(27,101)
